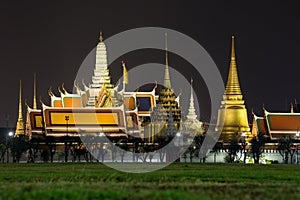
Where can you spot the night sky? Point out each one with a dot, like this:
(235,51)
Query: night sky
(52,39)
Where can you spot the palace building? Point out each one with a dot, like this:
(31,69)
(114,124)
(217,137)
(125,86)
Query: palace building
(274,125)
(99,107)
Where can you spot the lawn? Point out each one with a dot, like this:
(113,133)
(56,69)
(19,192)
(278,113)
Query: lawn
(177,181)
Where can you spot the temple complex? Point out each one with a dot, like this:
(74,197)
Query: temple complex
(144,117)
(100,108)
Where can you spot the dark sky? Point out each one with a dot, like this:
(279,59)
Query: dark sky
(52,39)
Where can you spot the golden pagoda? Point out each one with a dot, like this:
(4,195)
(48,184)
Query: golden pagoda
(167,107)
(232,113)
(20,123)
(167,97)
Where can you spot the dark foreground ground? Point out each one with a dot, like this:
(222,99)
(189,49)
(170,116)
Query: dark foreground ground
(177,181)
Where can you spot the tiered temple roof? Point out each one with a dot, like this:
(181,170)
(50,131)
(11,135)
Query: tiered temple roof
(93,109)
(276,125)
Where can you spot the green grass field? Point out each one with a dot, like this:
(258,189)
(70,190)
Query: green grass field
(177,181)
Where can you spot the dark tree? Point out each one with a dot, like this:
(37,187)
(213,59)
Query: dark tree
(257,144)
(216,149)
(50,142)
(285,149)
(33,149)
(122,144)
(233,150)
(19,146)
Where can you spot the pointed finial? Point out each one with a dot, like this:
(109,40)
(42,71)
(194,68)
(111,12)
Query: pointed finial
(167,82)
(63,88)
(20,123)
(232,48)
(75,85)
(233,86)
(25,102)
(101,37)
(50,93)
(155,86)
(191,111)
(192,96)
(180,92)
(34,91)
(166,41)
(59,90)
(20,102)
(292,108)
(166,47)
(41,101)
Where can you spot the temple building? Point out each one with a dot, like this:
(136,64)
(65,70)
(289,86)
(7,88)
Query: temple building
(232,115)
(100,107)
(192,126)
(274,125)
(101,77)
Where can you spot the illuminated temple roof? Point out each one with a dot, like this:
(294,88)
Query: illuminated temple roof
(94,108)
(276,125)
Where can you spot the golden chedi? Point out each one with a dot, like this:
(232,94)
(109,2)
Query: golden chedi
(232,113)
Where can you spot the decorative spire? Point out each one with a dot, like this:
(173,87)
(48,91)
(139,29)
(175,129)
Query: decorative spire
(34,91)
(178,98)
(101,37)
(20,103)
(167,82)
(233,86)
(20,123)
(292,108)
(125,75)
(192,113)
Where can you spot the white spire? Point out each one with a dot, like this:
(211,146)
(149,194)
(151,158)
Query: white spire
(192,112)
(101,75)
(101,67)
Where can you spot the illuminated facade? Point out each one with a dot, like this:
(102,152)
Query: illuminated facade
(274,125)
(101,108)
(232,115)
(149,116)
